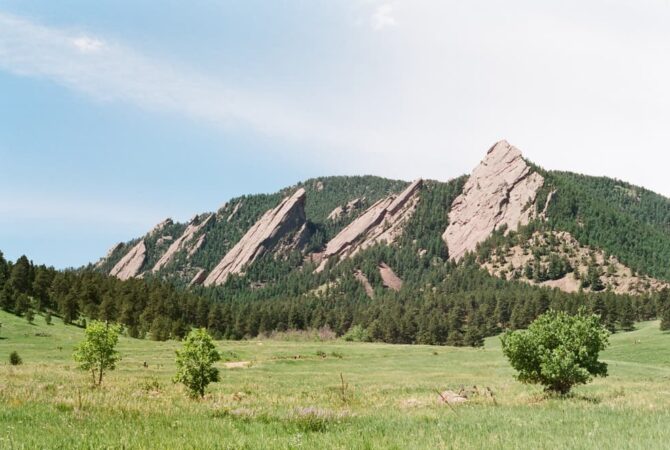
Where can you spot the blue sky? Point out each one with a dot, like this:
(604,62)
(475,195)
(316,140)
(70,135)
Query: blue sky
(117,114)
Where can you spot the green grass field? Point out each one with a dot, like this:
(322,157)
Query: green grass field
(291,397)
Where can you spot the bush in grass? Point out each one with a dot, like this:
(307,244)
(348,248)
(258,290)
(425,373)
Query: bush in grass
(357,334)
(47,318)
(558,350)
(97,352)
(15,359)
(195,362)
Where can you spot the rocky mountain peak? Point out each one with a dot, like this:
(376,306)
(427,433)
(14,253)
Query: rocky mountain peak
(277,223)
(500,191)
(382,222)
(129,266)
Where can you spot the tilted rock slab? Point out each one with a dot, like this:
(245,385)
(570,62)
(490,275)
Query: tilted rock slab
(130,265)
(199,277)
(109,254)
(499,192)
(389,278)
(383,221)
(187,236)
(339,211)
(369,290)
(276,223)
(159,227)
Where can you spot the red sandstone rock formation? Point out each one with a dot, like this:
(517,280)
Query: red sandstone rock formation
(275,224)
(130,265)
(500,191)
(382,222)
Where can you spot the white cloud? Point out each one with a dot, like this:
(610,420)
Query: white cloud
(87,44)
(110,71)
(575,89)
(383,17)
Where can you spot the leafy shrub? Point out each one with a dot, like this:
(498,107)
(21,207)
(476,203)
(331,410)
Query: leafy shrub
(15,359)
(97,352)
(195,362)
(558,350)
(357,334)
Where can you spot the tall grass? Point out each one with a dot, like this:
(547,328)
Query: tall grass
(292,397)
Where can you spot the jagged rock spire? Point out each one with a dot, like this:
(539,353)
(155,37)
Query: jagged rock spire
(500,191)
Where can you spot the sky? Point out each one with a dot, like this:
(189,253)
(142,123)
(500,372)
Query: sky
(116,114)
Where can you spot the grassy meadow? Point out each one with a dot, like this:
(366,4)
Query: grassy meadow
(292,396)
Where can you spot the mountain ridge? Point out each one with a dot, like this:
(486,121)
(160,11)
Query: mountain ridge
(347,215)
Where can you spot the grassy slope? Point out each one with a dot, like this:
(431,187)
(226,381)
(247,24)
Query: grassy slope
(46,403)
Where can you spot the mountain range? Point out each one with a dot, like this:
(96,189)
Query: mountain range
(510,217)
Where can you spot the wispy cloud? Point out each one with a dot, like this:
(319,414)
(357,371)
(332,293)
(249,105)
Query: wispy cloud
(383,17)
(111,71)
(87,44)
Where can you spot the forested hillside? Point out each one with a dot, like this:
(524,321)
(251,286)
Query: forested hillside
(630,222)
(372,256)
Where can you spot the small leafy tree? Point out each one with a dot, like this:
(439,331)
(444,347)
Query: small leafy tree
(558,350)
(15,359)
(195,362)
(97,352)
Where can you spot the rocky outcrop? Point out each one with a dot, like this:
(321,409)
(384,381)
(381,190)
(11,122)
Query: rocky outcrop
(343,210)
(185,242)
(389,278)
(518,262)
(130,265)
(109,254)
(276,224)
(199,277)
(382,222)
(500,191)
(161,226)
(360,276)
(235,210)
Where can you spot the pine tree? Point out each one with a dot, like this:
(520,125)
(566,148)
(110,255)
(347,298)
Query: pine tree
(20,275)
(626,315)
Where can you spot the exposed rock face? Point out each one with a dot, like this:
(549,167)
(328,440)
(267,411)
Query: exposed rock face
(383,221)
(499,192)
(275,224)
(340,211)
(235,210)
(336,213)
(183,242)
(130,265)
(159,227)
(163,239)
(389,278)
(360,276)
(199,277)
(110,252)
(614,275)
